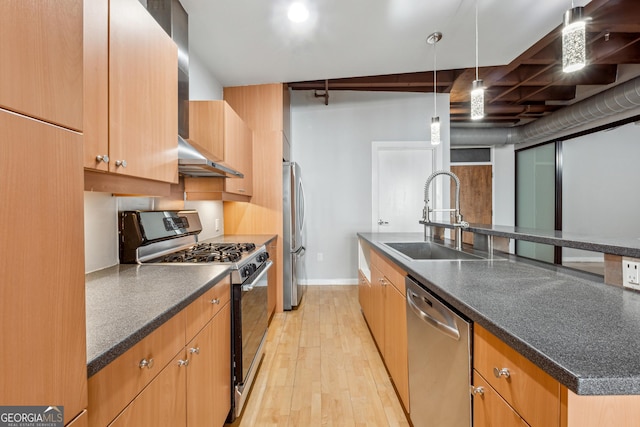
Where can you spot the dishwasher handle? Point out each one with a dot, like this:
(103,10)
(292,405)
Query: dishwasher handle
(449,328)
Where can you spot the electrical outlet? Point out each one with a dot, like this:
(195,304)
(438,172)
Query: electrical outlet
(217,224)
(320,256)
(631,273)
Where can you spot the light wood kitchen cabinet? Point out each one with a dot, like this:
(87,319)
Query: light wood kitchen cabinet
(528,389)
(162,403)
(217,131)
(209,372)
(141,99)
(377,301)
(272,287)
(490,409)
(81,420)
(117,384)
(264,109)
(388,321)
(41,70)
(178,375)
(364,294)
(42,293)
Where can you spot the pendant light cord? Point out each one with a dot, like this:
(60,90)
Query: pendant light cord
(435,88)
(477,39)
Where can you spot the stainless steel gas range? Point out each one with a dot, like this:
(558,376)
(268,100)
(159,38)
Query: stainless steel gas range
(171,238)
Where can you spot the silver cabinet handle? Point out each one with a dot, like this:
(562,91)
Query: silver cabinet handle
(102,158)
(183,362)
(122,163)
(504,372)
(477,391)
(242,190)
(194,350)
(215,301)
(144,363)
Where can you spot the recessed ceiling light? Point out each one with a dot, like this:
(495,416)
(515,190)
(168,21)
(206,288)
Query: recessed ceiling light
(298,12)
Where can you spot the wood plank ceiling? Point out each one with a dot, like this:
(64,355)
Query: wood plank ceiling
(531,86)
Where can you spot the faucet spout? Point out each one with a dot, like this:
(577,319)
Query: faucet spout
(458,224)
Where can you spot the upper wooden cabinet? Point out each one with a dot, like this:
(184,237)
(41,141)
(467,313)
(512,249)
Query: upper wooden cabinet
(137,90)
(217,131)
(41,60)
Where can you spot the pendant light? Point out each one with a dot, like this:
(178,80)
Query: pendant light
(574,43)
(477,87)
(435,120)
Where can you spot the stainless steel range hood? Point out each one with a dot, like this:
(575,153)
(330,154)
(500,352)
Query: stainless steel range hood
(174,20)
(192,163)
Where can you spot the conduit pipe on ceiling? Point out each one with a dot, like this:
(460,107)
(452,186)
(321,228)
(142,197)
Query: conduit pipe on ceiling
(611,104)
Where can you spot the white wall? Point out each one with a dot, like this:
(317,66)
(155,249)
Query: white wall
(333,146)
(202,84)
(598,170)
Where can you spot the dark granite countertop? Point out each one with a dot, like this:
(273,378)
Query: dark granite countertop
(582,332)
(127,302)
(624,246)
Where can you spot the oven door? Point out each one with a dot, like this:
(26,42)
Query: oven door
(250,327)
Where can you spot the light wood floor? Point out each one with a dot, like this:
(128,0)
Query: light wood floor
(322,368)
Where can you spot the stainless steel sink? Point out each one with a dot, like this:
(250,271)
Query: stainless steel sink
(430,251)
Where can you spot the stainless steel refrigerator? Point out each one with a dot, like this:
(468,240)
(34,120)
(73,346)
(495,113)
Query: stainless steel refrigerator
(294,236)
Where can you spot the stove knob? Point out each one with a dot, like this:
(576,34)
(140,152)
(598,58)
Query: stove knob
(246,271)
(263,257)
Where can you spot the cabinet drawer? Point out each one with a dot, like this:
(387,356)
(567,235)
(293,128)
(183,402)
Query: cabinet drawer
(392,272)
(491,410)
(111,389)
(206,306)
(163,403)
(527,388)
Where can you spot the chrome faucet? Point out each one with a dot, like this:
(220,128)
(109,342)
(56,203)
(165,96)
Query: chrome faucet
(459,224)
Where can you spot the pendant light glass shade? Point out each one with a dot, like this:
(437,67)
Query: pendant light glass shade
(574,45)
(477,100)
(435,130)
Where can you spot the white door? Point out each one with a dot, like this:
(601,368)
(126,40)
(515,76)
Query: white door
(399,172)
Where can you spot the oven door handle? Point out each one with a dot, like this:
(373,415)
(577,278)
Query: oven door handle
(249,286)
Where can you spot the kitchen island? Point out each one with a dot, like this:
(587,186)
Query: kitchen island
(580,331)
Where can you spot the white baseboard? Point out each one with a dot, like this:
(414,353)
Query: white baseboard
(329,282)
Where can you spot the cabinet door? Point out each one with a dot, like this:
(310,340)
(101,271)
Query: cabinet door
(376,319)
(41,60)
(364,294)
(162,403)
(238,153)
(42,301)
(96,85)
(209,372)
(395,344)
(143,94)
(490,410)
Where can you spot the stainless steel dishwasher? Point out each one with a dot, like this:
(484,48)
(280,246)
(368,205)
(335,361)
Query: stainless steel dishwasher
(439,361)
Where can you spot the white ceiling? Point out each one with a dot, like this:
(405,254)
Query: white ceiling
(246,42)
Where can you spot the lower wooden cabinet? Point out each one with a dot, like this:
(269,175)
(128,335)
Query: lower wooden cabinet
(533,393)
(81,420)
(384,307)
(395,342)
(162,403)
(208,374)
(490,409)
(161,381)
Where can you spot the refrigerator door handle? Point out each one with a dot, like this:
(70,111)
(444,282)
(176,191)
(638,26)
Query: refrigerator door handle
(301,250)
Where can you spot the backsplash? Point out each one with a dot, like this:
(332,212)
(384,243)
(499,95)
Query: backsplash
(101,222)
